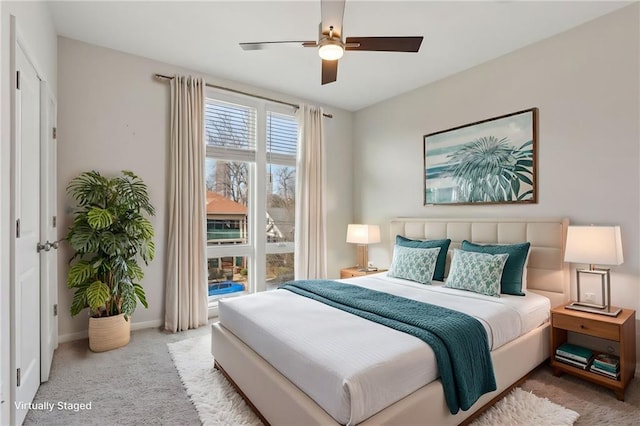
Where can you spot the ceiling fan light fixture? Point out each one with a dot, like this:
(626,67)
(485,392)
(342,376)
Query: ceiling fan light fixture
(332,44)
(331,50)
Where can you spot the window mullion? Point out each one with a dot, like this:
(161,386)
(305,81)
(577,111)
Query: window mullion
(260,201)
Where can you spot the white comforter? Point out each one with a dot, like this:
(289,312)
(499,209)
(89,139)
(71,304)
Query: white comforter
(353,367)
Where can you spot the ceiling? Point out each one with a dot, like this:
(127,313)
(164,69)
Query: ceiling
(204,36)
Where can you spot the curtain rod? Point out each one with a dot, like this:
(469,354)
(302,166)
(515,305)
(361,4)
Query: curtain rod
(296,106)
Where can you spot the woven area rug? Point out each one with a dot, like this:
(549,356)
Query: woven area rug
(218,403)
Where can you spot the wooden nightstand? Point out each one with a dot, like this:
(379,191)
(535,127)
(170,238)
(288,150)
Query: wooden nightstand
(355,272)
(621,329)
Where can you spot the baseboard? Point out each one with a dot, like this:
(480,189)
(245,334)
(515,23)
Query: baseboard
(212,311)
(146,324)
(63,338)
(70,337)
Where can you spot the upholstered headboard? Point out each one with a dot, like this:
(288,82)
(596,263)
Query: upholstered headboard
(547,273)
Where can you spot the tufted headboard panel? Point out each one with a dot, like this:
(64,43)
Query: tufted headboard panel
(547,273)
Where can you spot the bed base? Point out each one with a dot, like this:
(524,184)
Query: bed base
(277,401)
(240,392)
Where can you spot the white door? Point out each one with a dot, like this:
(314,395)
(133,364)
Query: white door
(25,336)
(48,232)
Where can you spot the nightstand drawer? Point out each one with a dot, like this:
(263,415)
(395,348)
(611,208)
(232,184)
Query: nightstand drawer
(350,274)
(587,326)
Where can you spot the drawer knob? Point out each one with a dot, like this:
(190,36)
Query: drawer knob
(582,326)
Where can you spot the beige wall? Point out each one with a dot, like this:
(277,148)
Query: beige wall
(113,115)
(38,35)
(585,83)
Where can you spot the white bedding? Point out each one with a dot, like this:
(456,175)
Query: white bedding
(343,361)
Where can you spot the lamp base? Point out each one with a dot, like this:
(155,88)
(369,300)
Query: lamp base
(611,311)
(362,256)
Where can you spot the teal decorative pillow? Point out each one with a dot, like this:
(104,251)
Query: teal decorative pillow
(477,272)
(438,274)
(511,282)
(415,264)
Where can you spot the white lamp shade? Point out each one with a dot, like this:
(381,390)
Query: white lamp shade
(594,245)
(363,234)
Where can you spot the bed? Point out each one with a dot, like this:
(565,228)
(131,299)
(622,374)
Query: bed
(262,378)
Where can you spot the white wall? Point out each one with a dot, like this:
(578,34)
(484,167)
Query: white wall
(38,34)
(113,115)
(585,83)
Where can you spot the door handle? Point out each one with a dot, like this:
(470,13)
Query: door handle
(47,246)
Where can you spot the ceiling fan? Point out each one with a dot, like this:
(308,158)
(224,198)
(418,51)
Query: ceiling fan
(330,42)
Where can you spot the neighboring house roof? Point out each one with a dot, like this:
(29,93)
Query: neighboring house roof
(218,204)
(280,221)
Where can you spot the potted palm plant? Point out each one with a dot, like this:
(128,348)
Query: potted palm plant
(110,235)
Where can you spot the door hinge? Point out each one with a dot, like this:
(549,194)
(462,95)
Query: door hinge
(55,132)
(55,310)
(18,80)
(54,221)
(17,228)
(18,377)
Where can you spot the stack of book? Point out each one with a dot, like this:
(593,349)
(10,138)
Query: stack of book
(606,365)
(577,356)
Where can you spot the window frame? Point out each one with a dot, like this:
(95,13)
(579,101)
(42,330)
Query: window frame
(257,246)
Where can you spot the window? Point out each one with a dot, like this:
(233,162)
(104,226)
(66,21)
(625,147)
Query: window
(250,174)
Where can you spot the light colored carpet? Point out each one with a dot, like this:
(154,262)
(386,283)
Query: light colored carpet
(139,385)
(133,385)
(219,404)
(597,405)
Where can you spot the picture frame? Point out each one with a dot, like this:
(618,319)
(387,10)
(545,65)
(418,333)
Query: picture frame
(491,161)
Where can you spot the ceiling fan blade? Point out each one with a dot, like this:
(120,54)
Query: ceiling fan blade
(332,13)
(329,71)
(385,44)
(262,45)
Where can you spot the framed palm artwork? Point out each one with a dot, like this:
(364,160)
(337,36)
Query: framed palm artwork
(486,162)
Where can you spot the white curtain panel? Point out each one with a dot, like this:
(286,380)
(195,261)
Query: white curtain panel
(310,235)
(186,292)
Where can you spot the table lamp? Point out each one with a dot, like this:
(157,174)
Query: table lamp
(594,245)
(363,235)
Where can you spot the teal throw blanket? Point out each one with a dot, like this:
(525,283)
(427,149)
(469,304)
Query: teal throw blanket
(458,340)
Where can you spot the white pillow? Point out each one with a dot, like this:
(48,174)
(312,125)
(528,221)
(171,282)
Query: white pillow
(477,272)
(415,264)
